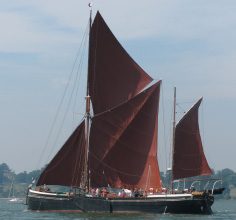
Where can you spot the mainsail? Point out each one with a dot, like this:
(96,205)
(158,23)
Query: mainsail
(123,143)
(188,156)
(67,166)
(123,138)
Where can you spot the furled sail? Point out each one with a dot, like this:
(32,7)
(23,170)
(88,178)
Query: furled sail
(67,165)
(123,143)
(188,155)
(114,77)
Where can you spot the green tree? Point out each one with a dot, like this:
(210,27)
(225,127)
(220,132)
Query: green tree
(21,177)
(5,174)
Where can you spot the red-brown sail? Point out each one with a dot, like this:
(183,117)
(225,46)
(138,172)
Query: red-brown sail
(67,165)
(114,77)
(188,156)
(123,143)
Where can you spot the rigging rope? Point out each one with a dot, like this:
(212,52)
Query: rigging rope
(52,128)
(68,107)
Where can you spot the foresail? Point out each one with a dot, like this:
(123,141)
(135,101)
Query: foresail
(123,144)
(67,165)
(114,77)
(188,156)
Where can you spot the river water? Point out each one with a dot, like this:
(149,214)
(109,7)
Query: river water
(223,209)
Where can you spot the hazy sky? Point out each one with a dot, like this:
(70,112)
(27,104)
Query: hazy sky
(187,43)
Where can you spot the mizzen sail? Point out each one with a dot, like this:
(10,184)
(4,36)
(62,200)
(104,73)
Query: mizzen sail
(188,155)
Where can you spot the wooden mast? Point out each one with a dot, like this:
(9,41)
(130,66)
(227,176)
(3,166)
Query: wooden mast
(173,138)
(86,177)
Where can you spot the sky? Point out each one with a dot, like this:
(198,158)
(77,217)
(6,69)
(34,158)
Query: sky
(185,43)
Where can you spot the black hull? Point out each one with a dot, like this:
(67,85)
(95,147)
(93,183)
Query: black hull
(217,191)
(201,205)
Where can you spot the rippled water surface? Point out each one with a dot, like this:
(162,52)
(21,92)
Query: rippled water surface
(223,209)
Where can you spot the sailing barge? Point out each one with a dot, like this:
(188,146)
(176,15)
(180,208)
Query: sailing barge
(115,148)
